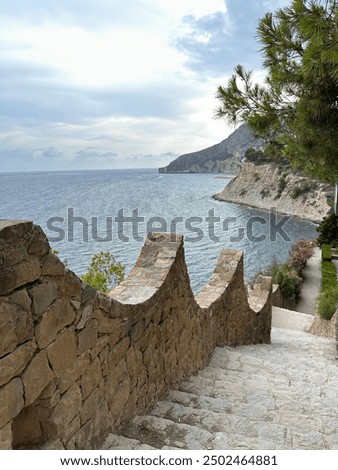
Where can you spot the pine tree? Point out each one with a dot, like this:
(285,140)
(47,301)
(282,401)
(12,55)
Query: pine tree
(296,110)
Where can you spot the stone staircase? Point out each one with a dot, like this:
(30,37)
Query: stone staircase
(278,396)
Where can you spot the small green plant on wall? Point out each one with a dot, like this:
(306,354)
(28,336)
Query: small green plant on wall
(104,272)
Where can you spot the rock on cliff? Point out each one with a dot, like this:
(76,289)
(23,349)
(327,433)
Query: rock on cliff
(268,185)
(220,158)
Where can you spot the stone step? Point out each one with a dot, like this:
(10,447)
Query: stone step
(205,418)
(248,418)
(164,433)
(118,442)
(199,402)
(278,396)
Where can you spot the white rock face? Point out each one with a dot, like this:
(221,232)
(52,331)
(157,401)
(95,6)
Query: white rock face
(265,186)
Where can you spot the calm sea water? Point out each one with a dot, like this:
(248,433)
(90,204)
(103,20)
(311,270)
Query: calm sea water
(64,203)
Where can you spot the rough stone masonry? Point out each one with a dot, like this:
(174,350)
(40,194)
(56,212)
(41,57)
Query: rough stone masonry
(76,364)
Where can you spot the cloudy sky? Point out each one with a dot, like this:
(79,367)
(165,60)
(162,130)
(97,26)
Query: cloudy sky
(117,83)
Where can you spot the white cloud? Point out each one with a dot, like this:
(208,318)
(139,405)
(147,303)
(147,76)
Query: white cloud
(93,59)
(111,55)
(106,79)
(179,8)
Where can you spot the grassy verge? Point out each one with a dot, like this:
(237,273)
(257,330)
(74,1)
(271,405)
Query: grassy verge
(327,300)
(326,253)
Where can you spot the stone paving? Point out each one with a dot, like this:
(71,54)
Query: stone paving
(312,274)
(277,396)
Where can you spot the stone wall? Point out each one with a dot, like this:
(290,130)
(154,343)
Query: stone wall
(279,301)
(327,328)
(75,364)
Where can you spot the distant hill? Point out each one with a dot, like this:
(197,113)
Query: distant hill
(220,158)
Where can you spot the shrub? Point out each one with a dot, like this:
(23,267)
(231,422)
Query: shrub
(281,185)
(289,282)
(296,192)
(303,188)
(328,231)
(97,280)
(330,201)
(327,303)
(272,270)
(300,253)
(265,193)
(104,272)
(255,156)
(288,275)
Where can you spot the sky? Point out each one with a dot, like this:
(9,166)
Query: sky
(105,84)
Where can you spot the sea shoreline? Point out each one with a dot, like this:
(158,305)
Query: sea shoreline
(265,186)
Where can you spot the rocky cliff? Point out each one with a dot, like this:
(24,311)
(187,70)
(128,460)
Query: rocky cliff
(267,185)
(220,158)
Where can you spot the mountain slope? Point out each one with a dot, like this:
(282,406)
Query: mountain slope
(219,158)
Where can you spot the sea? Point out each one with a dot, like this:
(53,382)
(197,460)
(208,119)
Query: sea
(86,212)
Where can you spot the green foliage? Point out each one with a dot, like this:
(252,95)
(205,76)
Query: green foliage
(289,282)
(282,181)
(104,272)
(265,193)
(281,186)
(273,270)
(96,280)
(330,202)
(327,300)
(327,303)
(303,188)
(288,275)
(256,156)
(326,252)
(328,231)
(296,110)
